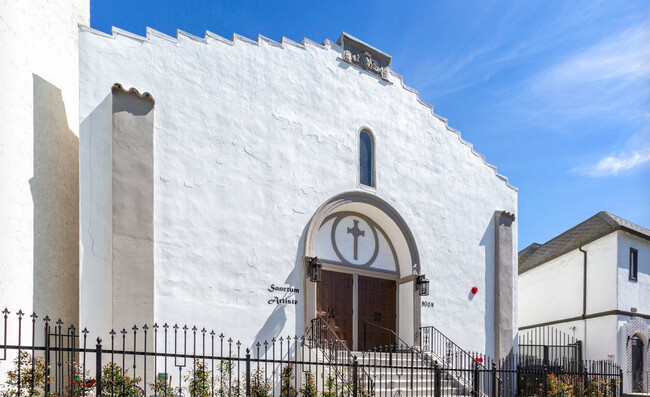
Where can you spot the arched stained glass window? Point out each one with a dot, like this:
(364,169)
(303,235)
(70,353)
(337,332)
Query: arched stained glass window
(366,159)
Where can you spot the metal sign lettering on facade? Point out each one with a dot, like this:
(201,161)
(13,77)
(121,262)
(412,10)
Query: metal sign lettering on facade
(287,289)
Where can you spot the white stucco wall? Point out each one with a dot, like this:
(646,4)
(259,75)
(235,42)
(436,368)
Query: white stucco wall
(633,294)
(39,155)
(601,340)
(601,274)
(552,291)
(250,139)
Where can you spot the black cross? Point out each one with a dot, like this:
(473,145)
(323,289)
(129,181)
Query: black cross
(356,232)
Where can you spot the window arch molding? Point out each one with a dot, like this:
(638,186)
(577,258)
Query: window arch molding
(366,158)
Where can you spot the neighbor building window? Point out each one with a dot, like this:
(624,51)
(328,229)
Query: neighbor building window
(634,263)
(366,159)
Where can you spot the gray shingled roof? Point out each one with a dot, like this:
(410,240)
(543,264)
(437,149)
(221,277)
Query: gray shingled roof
(599,225)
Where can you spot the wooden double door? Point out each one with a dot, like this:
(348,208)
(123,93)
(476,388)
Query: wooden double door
(377,304)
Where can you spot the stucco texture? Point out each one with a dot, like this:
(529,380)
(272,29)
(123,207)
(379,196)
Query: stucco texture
(250,138)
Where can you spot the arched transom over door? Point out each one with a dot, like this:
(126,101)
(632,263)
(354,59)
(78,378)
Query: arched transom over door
(367,254)
(362,265)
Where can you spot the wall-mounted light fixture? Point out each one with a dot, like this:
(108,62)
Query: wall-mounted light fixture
(315,269)
(422,284)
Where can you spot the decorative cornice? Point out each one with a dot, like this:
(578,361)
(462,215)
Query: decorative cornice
(508,214)
(132,90)
(210,37)
(365,61)
(365,56)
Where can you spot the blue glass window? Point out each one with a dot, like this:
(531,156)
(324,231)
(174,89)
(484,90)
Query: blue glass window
(366,161)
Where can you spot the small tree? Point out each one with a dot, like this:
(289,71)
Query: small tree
(259,386)
(116,382)
(558,386)
(79,382)
(162,388)
(308,388)
(229,385)
(286,382)
(199,380)
(24,375)
(331,387)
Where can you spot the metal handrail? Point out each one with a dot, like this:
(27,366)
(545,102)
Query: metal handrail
(397,338)
(333,341)
(453,352)
(448,342)
(401,343)
(417,352)
(390,331)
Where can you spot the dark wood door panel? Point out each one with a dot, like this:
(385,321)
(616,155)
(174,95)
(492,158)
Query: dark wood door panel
(334,303)
(377,305)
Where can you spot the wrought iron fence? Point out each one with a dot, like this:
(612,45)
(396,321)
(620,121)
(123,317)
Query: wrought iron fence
(531,376)
(41,357)
(549,344)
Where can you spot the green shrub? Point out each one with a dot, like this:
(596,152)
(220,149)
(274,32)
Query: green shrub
(162,388)
(24,375)
(229,385)
(287,379)
(199,380)
(308,388)
(259,386)
(117,382)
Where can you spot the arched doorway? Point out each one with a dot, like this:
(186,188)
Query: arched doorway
(369,257)
(638,350)
(637,356)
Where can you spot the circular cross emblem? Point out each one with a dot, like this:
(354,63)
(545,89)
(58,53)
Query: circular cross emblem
(355,240)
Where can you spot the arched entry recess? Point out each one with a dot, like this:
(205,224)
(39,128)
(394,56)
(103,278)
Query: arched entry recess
(363,239)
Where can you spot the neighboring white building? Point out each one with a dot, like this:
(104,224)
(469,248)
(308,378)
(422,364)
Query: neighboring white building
(215,170)
(593,282)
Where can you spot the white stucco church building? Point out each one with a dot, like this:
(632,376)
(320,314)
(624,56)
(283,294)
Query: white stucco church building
(243,185)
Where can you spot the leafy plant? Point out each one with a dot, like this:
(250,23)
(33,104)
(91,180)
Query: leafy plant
(558,386)
(199,380)
(162,388)
(331,387)
(229,385)
(259,385)
(341,383)
(24,375)
(79,383)
(287,379)
(308,388)
(117,382)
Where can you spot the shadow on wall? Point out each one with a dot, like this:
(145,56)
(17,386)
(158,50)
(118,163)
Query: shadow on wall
(487,242)
(275,323)
(55,193)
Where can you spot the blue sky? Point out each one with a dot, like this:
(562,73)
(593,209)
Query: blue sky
(556,94)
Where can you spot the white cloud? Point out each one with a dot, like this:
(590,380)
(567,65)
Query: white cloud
(615,164)
(626,55)
(609,80)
